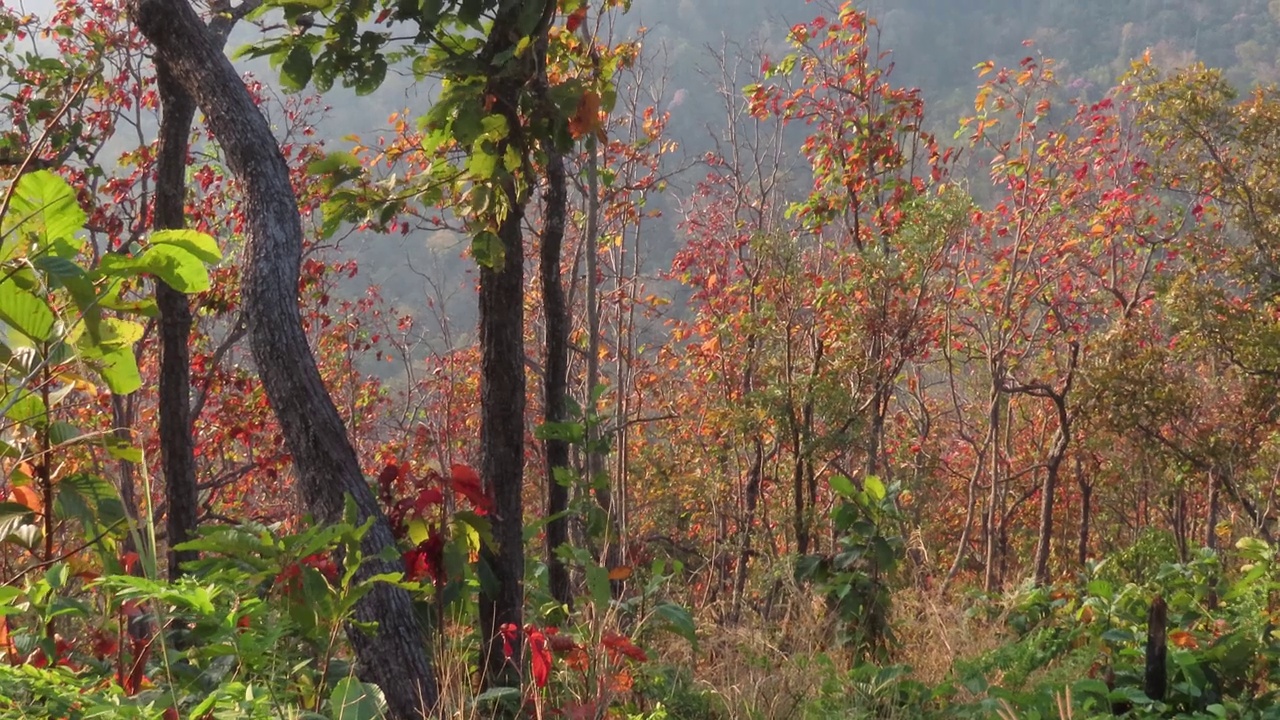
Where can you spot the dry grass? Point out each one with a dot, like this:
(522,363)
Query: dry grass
(934,633)
(775,668)
(769,669)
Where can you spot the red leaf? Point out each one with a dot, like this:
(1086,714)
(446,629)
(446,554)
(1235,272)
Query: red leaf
(575,19)
(388,476)
(466,483)
(509,635)
(539,656)
(429,496)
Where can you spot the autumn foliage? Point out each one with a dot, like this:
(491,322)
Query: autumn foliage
(1034,362)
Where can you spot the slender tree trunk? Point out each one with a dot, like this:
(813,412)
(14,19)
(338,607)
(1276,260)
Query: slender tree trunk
(992,518)
(1086,513)
(1047,491)
(595,458)
(177,447)
(1053,465)
(1180,525)
(798,495)
(556,373)
(754,478)
(394,655)
(1212,512)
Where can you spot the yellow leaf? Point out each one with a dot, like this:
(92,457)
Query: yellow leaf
(980,101)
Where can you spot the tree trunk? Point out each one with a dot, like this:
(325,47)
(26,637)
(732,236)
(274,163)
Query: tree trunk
(1086,513)
(1058,453)
(595,458)
(556,373)
(1156,677)
(502,404)
(992,517)
(394,655)
(177,447)
(754,479)
(1212,512)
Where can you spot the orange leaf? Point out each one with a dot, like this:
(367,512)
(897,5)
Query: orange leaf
(586,119)
(622,572)
(1183,639)
(26,495)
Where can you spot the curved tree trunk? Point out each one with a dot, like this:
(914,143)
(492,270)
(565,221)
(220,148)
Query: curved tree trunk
(1053,464)
(394,656)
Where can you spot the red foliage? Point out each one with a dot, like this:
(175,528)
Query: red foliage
(466,483)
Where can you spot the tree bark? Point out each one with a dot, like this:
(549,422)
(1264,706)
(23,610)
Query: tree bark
(1086,514)
(1212,512)
(556,372)
(393,656)
(1053,465)
(502,406)
(1156,677)
(754,481)
(177,447)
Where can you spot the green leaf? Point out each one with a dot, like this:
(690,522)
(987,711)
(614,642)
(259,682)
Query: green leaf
(176,266)
(112,354)
(482,164)
(478,524)
(371,80)
(27,313)
(295,72)
(429,14)
(201,245)
(874,487)
(678,620)
(487,249)
(842,485)
(570,432)
(497,695)
(122,449)
(43,205)
(355,700)
(598,585)
(89,499)
(26,408)
(469,12)
(62,433)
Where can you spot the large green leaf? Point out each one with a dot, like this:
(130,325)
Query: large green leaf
(200,244)
(599,588)
(25,408)
(111,354)
(874,487)
(842,485)
(179,268)
(43,207)
(677,620)
(26,312)
(89,499)
(355,700)
(295,70)
(488,250)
